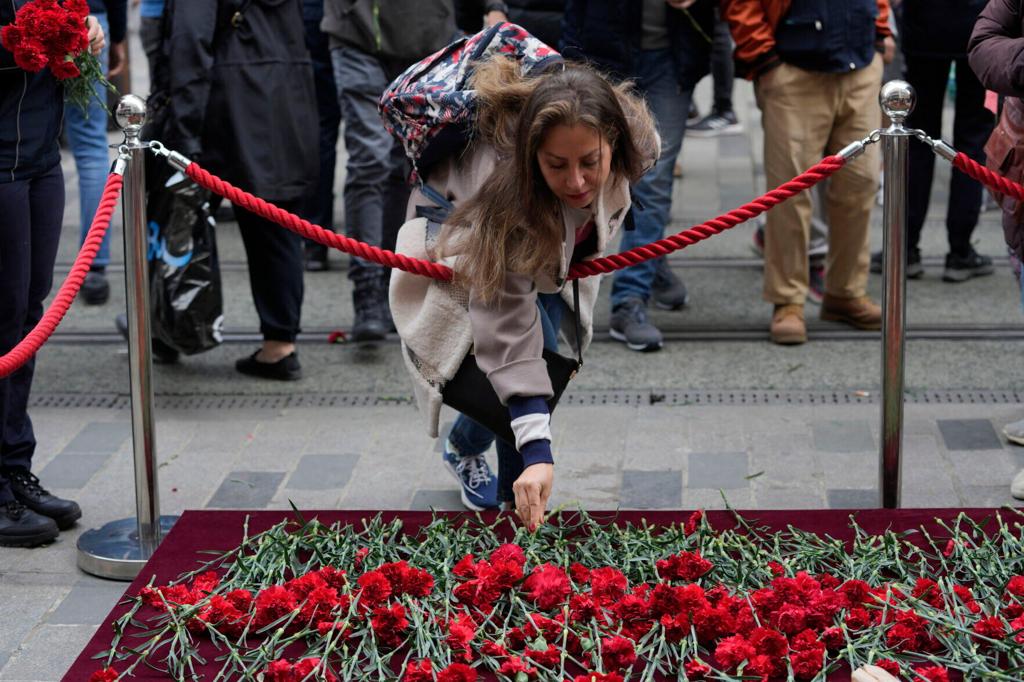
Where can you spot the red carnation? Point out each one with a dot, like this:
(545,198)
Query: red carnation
(888,665)
(548,586)
(769,642)
(374,588)
(419,671)
(388,624)
(360,556)
(807,664)
(304,669)
(690,527)
(461,631)
(548,658)
(273,603)
(1016,586)
(933,673)
(732,651)
(514,666)
(858,619)
(991,627)
(833,638)
(493,649)
(598,677)
(695,670)
(509,552)
(580,574)
(105,675)
(685,566)
(457,672)
(607,584)
(617,653)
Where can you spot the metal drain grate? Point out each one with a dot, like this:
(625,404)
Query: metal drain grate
(668,398)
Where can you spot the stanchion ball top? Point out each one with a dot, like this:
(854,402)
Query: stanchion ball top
(130,112)
(897,99)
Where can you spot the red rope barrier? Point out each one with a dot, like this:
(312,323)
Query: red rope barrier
(809,178)
(11,361)
(988,178)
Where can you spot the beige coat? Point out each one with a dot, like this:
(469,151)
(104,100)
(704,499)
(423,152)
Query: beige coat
(439,324)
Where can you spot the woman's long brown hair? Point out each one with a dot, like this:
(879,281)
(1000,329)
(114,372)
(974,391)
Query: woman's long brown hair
(513,223)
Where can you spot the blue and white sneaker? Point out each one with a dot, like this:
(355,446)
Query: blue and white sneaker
(479,485)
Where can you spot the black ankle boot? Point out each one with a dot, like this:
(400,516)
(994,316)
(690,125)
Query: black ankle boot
(22,527)
(373,318)
(28,491)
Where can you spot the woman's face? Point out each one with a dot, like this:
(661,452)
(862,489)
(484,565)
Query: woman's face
(575,162)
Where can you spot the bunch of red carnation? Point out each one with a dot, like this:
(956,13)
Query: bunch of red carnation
(48,34)
(54,35)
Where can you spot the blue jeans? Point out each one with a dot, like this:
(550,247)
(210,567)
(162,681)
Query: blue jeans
(87,137)
(656,79)
(376,192)
(470,438)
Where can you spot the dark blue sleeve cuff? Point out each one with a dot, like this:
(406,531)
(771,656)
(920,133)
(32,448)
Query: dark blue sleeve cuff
(537,452)
(519,406)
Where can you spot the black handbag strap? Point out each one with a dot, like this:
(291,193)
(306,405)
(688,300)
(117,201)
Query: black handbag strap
(576,316)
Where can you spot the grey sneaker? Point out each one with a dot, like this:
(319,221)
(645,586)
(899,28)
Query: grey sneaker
(629,324)
(913,269)
(1017,486)
(714,124)
(962,268)
(1014,432)
(667,290)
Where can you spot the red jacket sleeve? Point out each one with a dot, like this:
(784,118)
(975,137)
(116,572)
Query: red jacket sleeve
(754,35)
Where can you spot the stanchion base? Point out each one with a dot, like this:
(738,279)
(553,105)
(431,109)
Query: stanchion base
(113,551)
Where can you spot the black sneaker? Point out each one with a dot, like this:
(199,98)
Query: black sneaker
(714,124)
(962,268)
(22,527)
(373,316)
(667,290)
(285,369)
(629,324)
(95,288)
(162,353)
(28,491)
(914,269)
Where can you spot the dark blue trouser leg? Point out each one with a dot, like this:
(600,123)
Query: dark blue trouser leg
(30,226)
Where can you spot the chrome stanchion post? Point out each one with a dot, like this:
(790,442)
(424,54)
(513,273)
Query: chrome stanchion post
(897,100)
(121,548)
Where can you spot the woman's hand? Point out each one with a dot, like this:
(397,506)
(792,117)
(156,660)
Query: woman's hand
(96,38)
(872,673)
(532,490)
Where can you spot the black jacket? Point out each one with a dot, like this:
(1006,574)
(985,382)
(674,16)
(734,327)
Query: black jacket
(938,28)
(542,18)
(606,32)
(401,31)
(117,17)
(31,112)
(240,100)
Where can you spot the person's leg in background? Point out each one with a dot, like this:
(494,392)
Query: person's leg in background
(928,76)
(797,117)
(851,196)
(30,228)
(632,287)
(972,125)
(360,79)
(274,255)
(87,137)
(320,207)
(721,120)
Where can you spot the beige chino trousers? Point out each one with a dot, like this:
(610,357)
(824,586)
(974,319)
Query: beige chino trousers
(807,115)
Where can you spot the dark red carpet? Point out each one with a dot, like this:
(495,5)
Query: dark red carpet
(222,530)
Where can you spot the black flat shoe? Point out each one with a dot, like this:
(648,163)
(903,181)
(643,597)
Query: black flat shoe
(29,492)
(285,369)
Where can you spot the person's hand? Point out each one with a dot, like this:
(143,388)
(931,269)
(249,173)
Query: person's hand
(872,673)
(118,58)
(494,17)
(680,4)
(532,490)
(96,38)
(888,49)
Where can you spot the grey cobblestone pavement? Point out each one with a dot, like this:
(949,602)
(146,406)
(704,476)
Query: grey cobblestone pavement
(719,414)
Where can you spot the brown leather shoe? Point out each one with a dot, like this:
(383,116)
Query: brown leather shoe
(861,312)
(788,328)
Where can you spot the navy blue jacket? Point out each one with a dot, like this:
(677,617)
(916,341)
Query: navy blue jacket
(606,33)
(117,17)
(31,112)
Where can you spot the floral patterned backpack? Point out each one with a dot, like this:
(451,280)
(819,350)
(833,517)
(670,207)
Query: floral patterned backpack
(430,107)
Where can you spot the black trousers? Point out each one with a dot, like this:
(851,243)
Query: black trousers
(275,272)
(30,222)
(972,124)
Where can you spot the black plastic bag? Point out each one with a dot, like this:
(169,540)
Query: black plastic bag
(184,273)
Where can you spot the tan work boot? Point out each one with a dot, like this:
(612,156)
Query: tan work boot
(860,312)
(788,328)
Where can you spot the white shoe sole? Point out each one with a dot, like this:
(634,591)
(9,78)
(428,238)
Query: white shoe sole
(639,347)
(462,491)
(1019,440)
